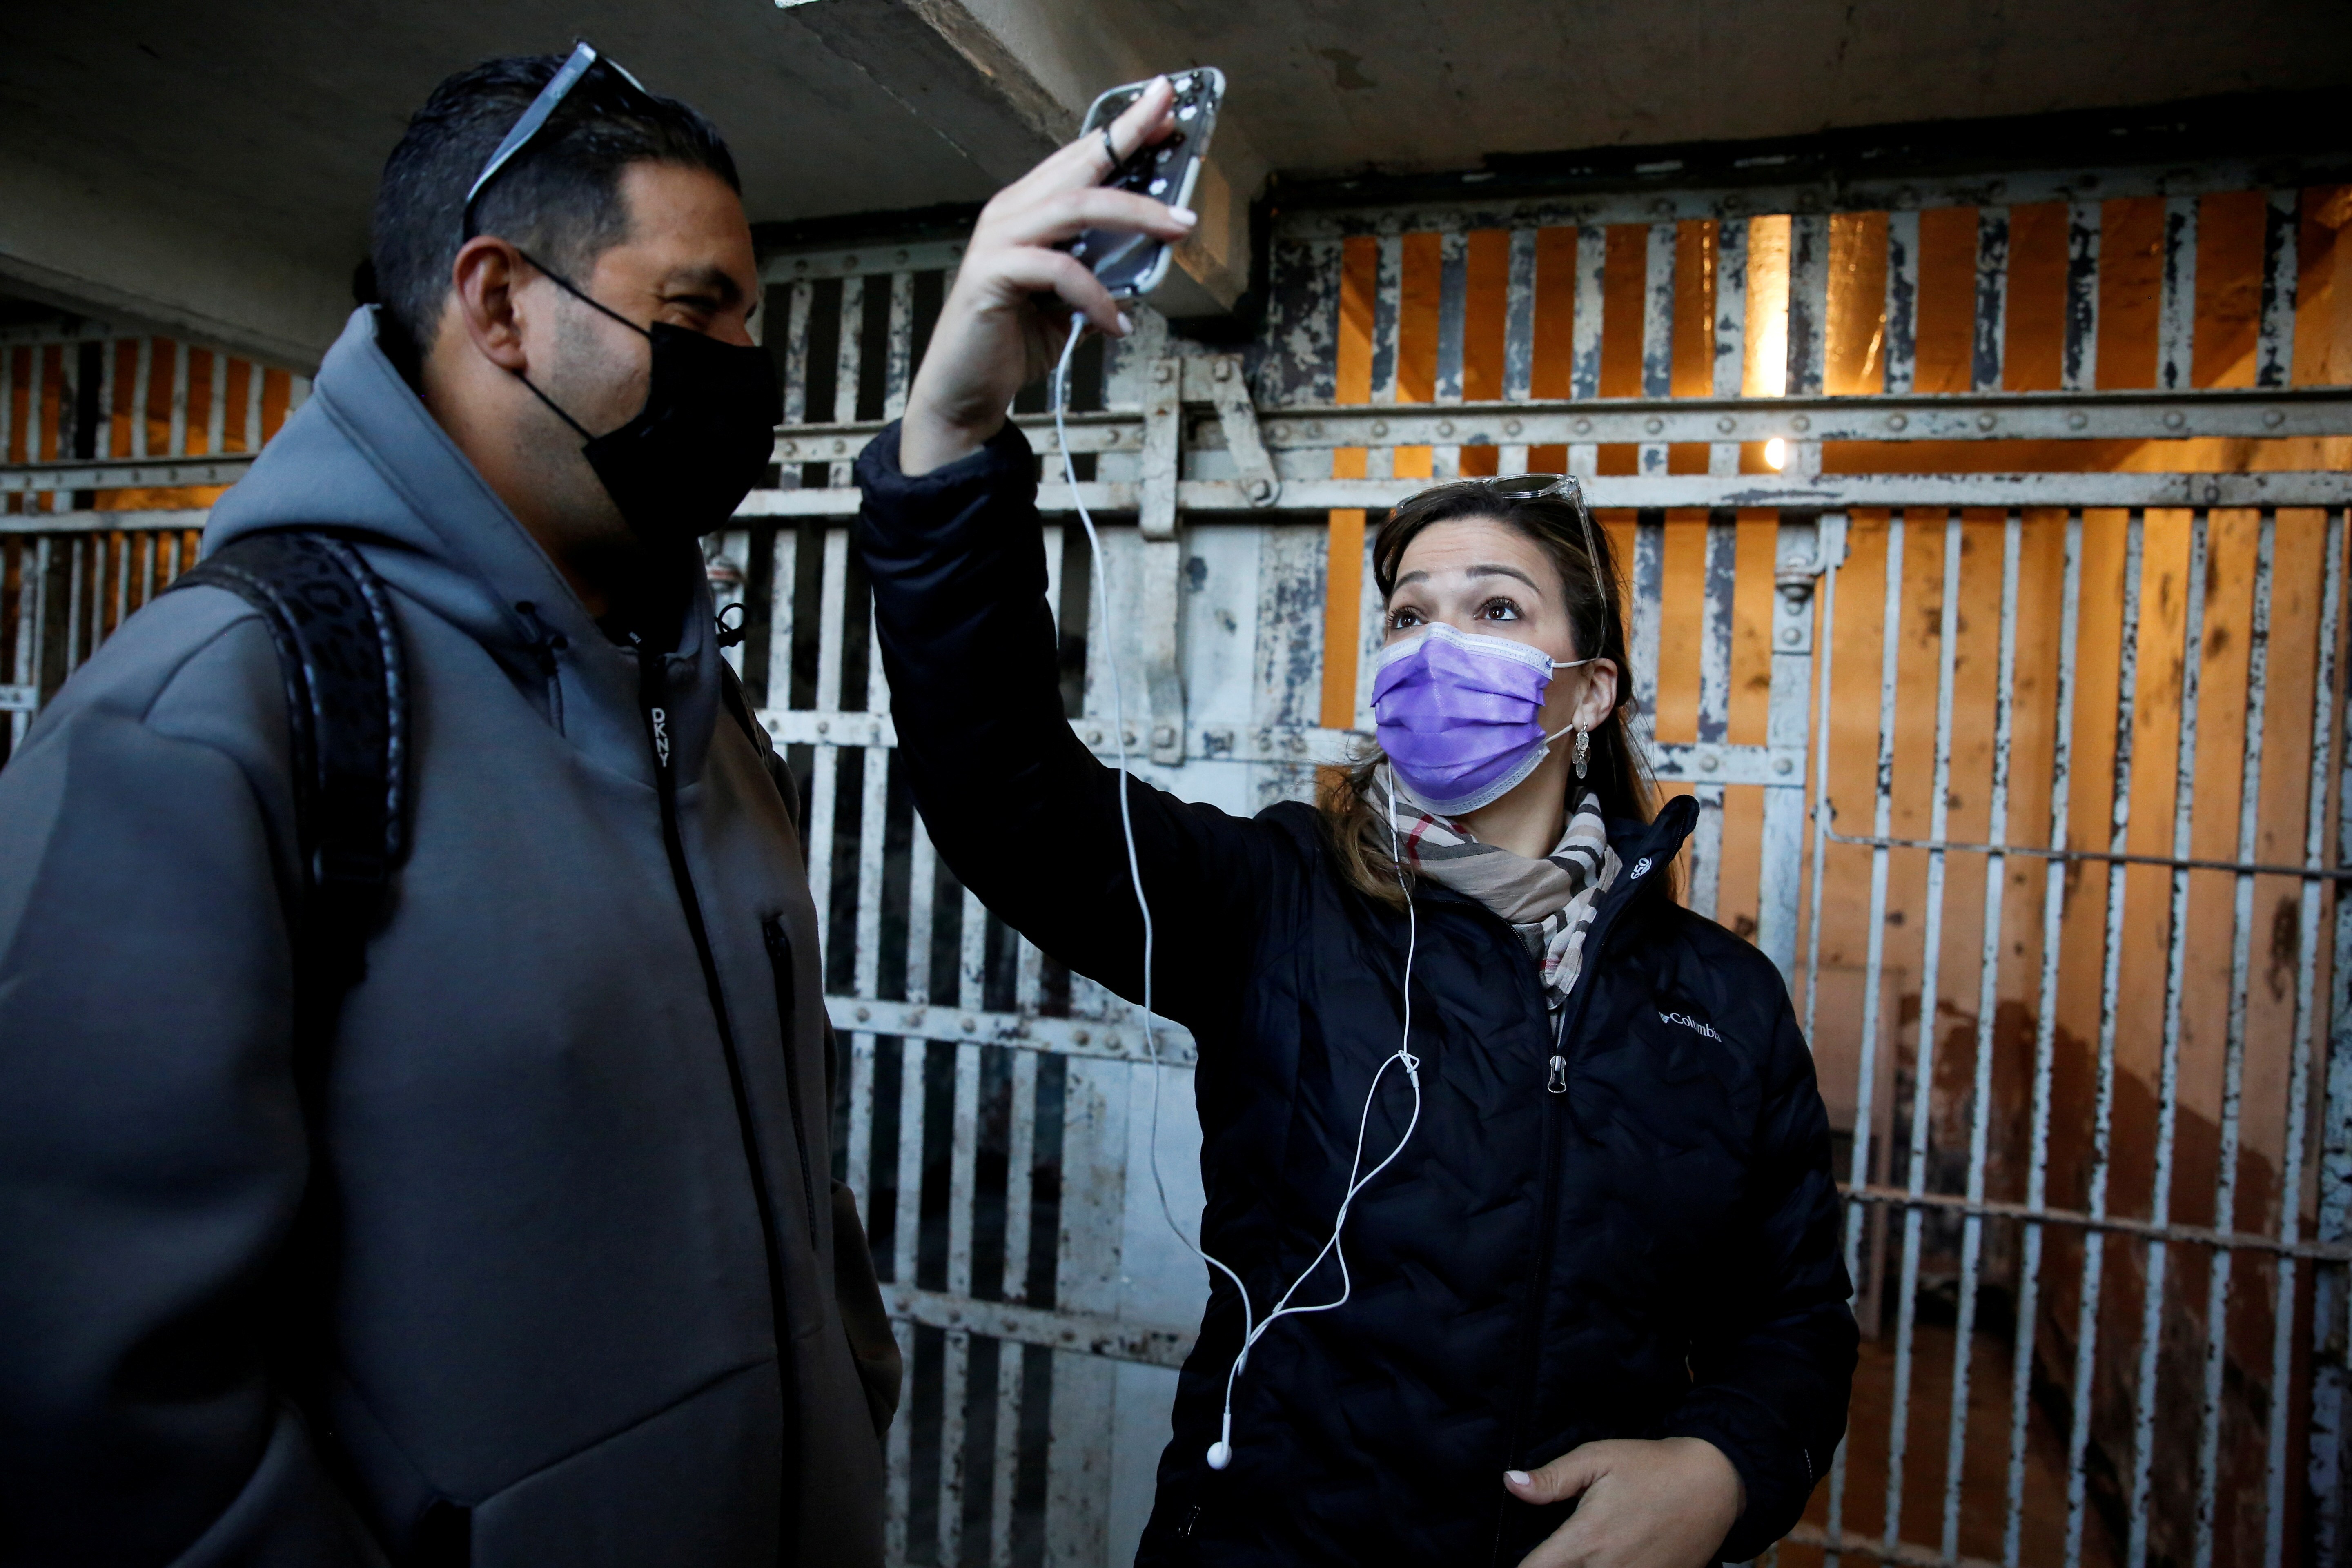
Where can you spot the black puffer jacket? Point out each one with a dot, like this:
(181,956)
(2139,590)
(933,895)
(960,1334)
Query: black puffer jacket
(1652,1252)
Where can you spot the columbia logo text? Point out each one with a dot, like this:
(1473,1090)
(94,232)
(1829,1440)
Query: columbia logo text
(1687,1022)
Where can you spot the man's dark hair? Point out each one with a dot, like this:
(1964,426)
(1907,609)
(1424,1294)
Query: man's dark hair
(559,198)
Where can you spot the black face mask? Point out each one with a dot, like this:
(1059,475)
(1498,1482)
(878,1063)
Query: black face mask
(706,433)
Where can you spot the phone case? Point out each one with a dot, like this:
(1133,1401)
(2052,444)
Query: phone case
(1132,265)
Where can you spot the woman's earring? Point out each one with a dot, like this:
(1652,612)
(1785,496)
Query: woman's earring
(1582,756)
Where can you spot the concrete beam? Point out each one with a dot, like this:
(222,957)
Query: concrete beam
(70,241)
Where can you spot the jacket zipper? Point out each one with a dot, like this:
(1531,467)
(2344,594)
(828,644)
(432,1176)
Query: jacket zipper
(780,961)
(652,690)
(1556,1097)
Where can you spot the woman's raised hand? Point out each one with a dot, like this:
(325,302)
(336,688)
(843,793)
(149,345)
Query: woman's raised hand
(1004,321)
(1665,1504)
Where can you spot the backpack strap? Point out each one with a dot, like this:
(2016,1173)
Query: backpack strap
(346,702)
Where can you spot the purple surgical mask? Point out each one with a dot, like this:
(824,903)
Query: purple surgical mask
(1457,715)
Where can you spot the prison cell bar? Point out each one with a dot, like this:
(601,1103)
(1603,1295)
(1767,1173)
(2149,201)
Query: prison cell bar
(1988,1005)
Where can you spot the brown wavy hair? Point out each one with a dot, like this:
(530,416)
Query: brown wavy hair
(1563,529)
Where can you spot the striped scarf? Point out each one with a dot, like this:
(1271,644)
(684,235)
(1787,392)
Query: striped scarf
(1549,903)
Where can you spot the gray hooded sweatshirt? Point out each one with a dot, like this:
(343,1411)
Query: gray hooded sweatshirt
(589,1294)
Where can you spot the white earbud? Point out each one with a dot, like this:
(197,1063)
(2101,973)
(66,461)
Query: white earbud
(1220,1452)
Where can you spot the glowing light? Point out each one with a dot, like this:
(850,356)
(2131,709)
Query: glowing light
(1776,453)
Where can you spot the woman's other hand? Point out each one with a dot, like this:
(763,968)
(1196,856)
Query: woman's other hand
(1666,1504)
(999,327)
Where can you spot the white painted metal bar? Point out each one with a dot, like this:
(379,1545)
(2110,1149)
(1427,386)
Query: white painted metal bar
(906,1240)
(1519,319)
(898,367)
(255,376)
(963,1147)
(1825,659)
(824,781)
(1387,304)
(1657,330)
(1874,958)
(1923,1059)
(78,559)
(1730,331)
(1020,1163)
(1992,316)
(783,585)
(1584,333)
(1800,548)
(2299,1065)
(848,363)
(796,350)
(123,548)
(1642,628)
(2233,1065)
(2086,1322)
(1713,707)
(2176,322)
(141,389)
(2275,343)
(102,438)
(216,405)
(1996,877)
(37,360)
(2079,349)
(10,357)
(1809,303)
(1902,301)
(2176,967)
(180,358)
(1453,300)
(2045,1035)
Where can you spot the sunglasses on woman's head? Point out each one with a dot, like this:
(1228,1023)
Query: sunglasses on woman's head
(1542,487)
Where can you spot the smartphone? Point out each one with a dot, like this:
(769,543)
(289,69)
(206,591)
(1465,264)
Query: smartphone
(1132,265)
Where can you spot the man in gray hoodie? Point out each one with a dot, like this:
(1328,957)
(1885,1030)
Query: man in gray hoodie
(549,1268)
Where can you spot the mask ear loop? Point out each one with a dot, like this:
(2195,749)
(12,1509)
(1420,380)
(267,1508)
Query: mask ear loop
(1220,1452)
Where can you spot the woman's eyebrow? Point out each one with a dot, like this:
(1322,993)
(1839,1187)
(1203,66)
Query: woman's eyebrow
(1485,568)
(1497,569)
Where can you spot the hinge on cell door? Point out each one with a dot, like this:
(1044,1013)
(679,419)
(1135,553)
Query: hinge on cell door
(1172,383)
(1162,599)
(1217,381)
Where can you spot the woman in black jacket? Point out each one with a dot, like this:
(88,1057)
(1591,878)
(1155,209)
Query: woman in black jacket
(1602,1274)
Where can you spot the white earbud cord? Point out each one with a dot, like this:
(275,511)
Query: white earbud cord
(1220,1453)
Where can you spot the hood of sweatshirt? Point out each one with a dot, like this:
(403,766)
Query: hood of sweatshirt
(365,458)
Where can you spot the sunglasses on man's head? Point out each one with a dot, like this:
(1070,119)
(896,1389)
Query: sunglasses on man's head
(534,119)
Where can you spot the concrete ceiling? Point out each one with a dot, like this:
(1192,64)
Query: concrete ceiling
(1331,86)
(209,170)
